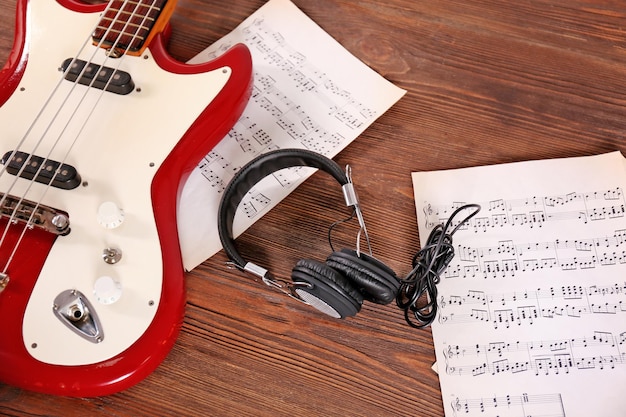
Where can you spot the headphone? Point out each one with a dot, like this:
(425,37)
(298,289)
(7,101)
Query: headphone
(337,286)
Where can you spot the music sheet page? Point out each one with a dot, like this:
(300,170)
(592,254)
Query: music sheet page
(309,92)
(532,318)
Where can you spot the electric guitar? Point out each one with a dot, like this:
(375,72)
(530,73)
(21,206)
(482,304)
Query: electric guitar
(99,129)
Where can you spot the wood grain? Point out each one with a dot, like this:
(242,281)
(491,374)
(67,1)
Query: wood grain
(488,81)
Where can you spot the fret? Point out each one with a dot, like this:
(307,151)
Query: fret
(147,23)
(126,25)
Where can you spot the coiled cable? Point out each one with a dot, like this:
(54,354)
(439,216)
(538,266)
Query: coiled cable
(418,291)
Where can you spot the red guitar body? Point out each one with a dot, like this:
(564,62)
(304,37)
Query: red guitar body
(131,151)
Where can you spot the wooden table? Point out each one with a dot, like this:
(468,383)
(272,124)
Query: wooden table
(489,81)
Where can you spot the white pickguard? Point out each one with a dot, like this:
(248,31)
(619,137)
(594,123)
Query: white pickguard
(117,154)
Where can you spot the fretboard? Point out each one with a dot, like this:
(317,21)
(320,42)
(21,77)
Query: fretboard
(126,24)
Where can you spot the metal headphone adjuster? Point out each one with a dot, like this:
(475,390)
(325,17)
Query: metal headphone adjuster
(286,287)
(352,199)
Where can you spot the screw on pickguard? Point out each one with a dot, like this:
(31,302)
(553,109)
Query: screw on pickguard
(45,171)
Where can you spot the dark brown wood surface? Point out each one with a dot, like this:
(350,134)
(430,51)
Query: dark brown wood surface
(489,81)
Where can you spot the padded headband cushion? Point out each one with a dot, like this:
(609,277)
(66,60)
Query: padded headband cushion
(376,281)
(253,172)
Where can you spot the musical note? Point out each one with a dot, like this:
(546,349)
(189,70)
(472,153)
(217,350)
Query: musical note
(217,170)
(535,297)
(533,212)
(301,78)
(528,306)
(524,405)
(508,258)
(601,351)
(287,177)
(255,204)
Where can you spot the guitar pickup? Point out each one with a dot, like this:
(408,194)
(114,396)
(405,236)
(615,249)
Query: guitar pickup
(45,171)
(96,76)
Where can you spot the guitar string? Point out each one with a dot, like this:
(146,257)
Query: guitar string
(39,142)
(50,97)
(20,145)
(28,132)
(121,34)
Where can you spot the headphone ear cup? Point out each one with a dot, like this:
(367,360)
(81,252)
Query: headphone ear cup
(328,290)
(375,280)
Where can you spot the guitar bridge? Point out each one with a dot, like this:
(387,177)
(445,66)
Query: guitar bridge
(18,210)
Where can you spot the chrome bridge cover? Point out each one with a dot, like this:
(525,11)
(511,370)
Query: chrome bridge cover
(33,215)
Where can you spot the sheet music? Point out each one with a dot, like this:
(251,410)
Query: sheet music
(532,318)
(309,92)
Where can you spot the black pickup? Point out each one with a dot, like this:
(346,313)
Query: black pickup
(45,171)
(96,76)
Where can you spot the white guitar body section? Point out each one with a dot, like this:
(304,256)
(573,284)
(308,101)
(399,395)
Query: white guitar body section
(120,143)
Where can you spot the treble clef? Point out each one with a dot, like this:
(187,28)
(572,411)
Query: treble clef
(449,352)
(442,302)
(456,404)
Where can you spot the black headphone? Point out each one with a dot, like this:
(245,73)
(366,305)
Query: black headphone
(336,287)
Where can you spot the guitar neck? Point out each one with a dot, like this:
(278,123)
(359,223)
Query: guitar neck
(127,27)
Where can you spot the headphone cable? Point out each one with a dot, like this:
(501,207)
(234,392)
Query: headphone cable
(418,291)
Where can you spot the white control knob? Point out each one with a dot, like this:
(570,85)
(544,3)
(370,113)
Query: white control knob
(110,215)
(107,290)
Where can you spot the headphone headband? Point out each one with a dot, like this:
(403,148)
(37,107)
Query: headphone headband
(253,172)
(336,287)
